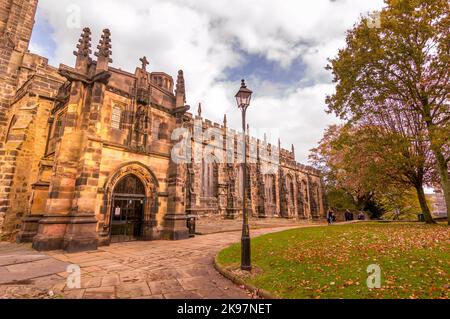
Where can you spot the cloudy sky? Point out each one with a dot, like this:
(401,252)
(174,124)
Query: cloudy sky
(280,48)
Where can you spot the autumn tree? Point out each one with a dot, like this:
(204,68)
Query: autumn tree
(402,144)
(370,161)
(345,164)
(402,63)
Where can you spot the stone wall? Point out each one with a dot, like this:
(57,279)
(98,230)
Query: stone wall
(16,25)
(25,139)
(305,187)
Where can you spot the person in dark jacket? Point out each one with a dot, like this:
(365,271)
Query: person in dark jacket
(330,216)
(347,215)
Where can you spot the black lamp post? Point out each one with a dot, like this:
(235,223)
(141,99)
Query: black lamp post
(243,98)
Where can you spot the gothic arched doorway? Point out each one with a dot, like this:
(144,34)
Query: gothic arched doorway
(128,205)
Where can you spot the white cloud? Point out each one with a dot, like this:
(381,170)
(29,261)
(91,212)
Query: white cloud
(201,36)
(37,48)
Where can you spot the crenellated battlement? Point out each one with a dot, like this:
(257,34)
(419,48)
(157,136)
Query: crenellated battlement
(286,157)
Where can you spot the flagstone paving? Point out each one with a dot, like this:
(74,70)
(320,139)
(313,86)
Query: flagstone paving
(211,224)
(157,269)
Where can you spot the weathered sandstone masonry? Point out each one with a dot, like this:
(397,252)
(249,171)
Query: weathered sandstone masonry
(86,151)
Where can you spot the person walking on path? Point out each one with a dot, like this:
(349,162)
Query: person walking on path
(347,215)
(330,216)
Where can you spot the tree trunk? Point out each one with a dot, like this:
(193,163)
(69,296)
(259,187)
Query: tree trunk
(424,205)
(445,181)
(441,165)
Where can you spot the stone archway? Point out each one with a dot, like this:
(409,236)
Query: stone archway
(127,205)
(147,197)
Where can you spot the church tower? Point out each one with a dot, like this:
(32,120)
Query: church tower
(16,25)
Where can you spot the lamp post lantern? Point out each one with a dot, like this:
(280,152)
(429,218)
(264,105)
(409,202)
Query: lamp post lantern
(243,98)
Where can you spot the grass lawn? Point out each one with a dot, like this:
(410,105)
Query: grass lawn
(332,261)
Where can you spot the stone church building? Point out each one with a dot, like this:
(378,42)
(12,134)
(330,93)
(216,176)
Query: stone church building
(86,151)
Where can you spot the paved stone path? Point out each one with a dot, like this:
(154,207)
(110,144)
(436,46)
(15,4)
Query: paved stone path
(157,269)
(215,224)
